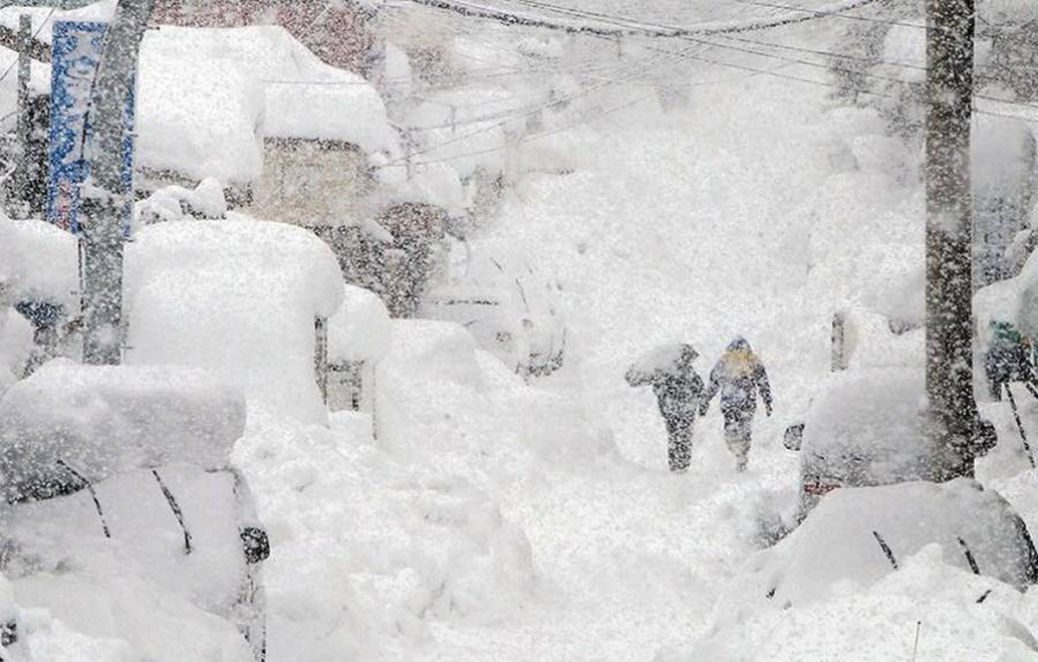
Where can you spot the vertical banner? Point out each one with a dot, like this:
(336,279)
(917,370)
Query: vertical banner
(75,55)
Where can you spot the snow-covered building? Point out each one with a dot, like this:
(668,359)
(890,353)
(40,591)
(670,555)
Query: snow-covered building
(236,88)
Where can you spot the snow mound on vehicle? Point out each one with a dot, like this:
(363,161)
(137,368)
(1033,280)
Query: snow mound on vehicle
(238,297)
(102,420)
(880,412)
(836,546)
(880,622)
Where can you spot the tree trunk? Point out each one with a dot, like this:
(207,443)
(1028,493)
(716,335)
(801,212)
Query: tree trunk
(949,343)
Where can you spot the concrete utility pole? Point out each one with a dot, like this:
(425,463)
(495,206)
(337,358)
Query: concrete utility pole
(949,342)
(107,197)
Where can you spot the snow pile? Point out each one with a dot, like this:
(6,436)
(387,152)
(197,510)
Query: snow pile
(104,420)
(110,611)
(927,596)
(138,585)
(238,297)
(175,203)
(209,96)
(360,330)
(369,553)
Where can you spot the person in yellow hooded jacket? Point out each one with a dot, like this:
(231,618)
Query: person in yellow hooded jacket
(739,376)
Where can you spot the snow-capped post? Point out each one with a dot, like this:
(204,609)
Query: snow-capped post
(949,346)
(107,195)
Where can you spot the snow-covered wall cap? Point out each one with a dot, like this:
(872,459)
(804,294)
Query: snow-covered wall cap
(38,261)
(105,420)
(361,330)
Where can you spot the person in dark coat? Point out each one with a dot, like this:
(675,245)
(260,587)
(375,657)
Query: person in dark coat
(678,388)
(1008,358)
(739,376)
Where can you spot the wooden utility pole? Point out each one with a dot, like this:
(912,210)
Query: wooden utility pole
(19,207)
(107,196)
(949,342)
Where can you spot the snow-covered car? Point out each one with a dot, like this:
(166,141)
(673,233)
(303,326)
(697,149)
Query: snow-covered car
(863,534)
(119,477)
(869,428)
(511,312)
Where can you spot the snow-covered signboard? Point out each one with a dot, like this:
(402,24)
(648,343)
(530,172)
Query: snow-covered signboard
(76,53)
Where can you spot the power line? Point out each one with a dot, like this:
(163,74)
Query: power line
(528,113)
(481,11)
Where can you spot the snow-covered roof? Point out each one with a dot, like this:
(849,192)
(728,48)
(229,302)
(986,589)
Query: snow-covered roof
(238,297)
(208,96)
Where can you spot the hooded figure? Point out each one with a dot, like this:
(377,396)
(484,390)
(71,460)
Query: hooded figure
(738,375)
(677,388)
(1008,358)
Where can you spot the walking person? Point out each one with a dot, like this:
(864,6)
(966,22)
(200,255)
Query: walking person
(739,375)
(678,389)
(1008,358)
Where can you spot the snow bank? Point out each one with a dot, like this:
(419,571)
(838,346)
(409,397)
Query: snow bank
(104,420)
(370,553)
(360,330)
(927,596)
(209,96)
(237,297)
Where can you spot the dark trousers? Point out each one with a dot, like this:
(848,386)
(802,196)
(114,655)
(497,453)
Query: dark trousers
(679,440)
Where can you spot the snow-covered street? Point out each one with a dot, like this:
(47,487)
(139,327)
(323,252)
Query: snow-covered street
(421,301)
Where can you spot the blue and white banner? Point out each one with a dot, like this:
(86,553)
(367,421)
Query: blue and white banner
(75,55)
